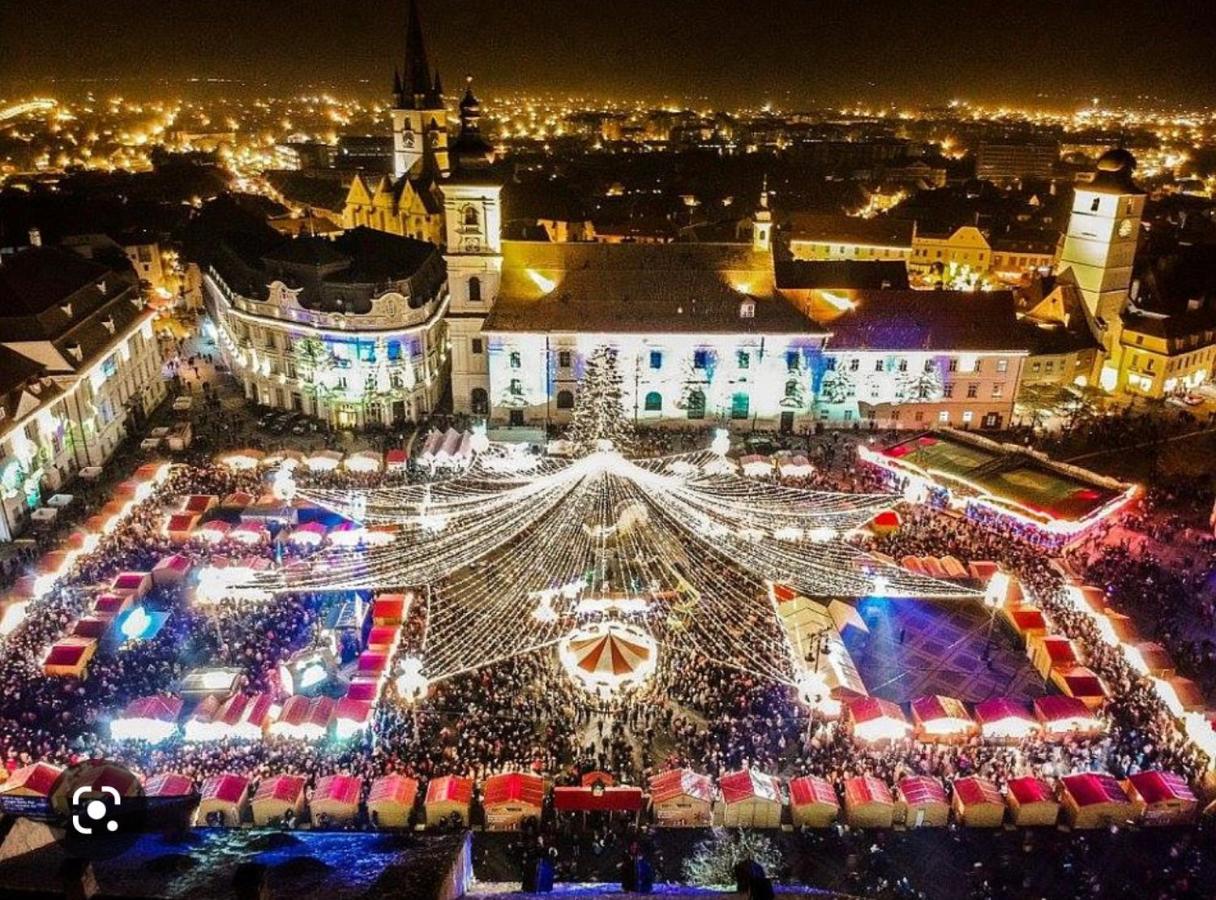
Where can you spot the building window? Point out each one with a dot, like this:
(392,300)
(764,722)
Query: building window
(948,390)
(878,365)
(854,364)
(944,416)
(1002,365)
(565,400)
(654,402)
(902,365)
(471,217)
(480,402)
(477,346)
(516,360)
(516,388)
(393,349)
(791,361)
(696,405)
(110,367)
(656,359)
(1093,207)
(739,406)
(967,417)
(953,366)
(474,290)
(928,366)
(744,359)
(700,359)
(977,365)
(998,390)
(563,359)
(973,391)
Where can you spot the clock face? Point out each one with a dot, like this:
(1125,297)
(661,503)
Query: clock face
(1125,228)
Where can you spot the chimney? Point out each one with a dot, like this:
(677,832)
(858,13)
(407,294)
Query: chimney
(35,237)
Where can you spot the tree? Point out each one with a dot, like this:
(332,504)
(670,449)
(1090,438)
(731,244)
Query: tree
(713,862)
(599,412)
(835,386)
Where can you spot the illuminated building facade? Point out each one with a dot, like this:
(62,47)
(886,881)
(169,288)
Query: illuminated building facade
(955,254)
(79,366)
(350,331)
(832,237)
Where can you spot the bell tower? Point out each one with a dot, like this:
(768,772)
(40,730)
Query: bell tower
(1100,246)
(419,116)
(762,224)
(472,210)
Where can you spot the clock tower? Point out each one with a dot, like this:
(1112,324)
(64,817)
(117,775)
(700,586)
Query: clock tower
(1100,246)
(419,116)
(472,210)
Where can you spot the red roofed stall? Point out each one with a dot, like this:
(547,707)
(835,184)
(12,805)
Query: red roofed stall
(389,609)
(681,798)
(1162,798)
(1061,716)
(977,803)
(391,801)
(510,799)
(750,799)
(601,797)
(923,802)
(1095,800)
(1031,802)
(874,719)
(1082,683)
(226,797)
(868,802)
(937,718)
(335,801)
(277,797)
(813,802)
(1003,718)
(447,796)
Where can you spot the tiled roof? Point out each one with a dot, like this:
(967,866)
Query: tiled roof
(924,320)
(841,274)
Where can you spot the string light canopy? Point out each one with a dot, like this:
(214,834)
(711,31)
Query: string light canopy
(518,552)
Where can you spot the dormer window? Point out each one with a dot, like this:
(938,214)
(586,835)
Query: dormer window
(75,352)
(101,286)
(747,309)
(108,324)
(66,308)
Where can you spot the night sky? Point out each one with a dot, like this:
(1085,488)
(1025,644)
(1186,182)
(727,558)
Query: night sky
(797,53)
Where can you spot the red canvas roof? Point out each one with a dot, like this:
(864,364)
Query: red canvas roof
(232,710)
(1028,618)
(161,707)
(286,788)
(935,708)
(1059,708)
(867,709)
(585,799)
(109,604)
(449,788)
(1059,649)
(226,788)
(919,790)
(168,784)
(352,710)
(1083,682)
(748,784)
(995,709)
(811,789)
(784,593)
(129,581)
(395,788)
(1161,787)
(363,691)
(383,635)
(39,778)
(1029,789)
(866,789)
(1088,788)
(338,788)
(675,783)
(199,503)
(91,627)
(513,787)
(389,606)
(372,663)
(320,711)
(65,653)
(295,710)
(976,791)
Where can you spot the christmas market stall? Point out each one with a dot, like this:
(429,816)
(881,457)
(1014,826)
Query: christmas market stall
(27,791)
(921,802)
(1162,798)
(152,719)
(1005,719)
(1062,716)
(390,802)
(873,719)
(813,802)
(223,800)
(681,798)
(1095,800)
(750,799)
(69,658)
(868,802)
(977,803)
(171,570)
(334,801)
(278,799)
(936,718)
(511,799)
(1031,802)
(446,797)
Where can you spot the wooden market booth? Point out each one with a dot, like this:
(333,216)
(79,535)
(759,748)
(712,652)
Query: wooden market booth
(977,803)
(813,802)
(512,798)
(750,799)
(1031,802)
(1162,798)
(335,801)
(936,718)
(390,802)
(1061,716)
(681,798)
(868,802)
(922,802)
(227,796)
(1095,800)
(446,796)
(276,797)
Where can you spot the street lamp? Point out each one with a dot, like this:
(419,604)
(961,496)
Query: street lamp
(992,600)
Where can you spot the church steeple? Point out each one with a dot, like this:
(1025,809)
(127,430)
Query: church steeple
(417,87)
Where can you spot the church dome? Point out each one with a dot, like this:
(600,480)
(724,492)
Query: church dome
(1117,160)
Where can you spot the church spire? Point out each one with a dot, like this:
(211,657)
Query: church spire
(417,72)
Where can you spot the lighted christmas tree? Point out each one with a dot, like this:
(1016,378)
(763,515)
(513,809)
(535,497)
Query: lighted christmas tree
(599,411)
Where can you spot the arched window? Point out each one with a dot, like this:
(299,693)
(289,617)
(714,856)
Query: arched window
(654,402)
(565,400)
(472,218)
(791,389)
(474,290)
(696,405)
(480,402)
(739,406)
